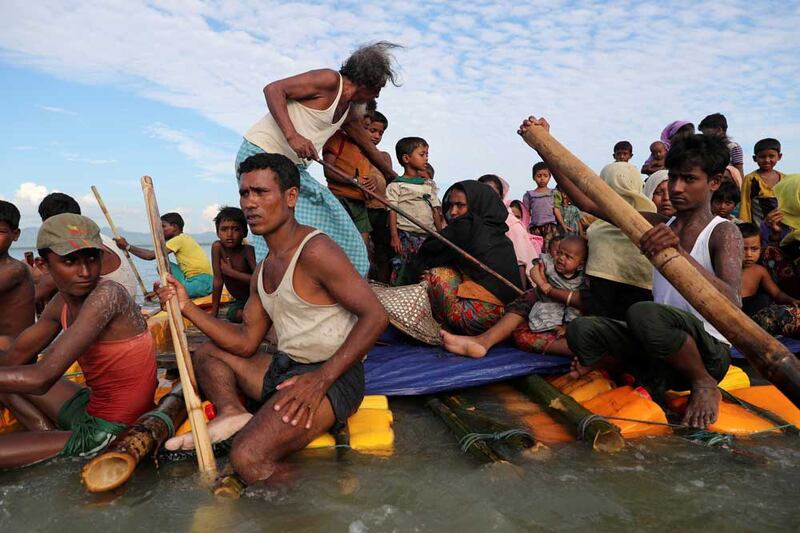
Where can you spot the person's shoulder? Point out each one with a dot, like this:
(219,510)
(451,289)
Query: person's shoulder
(325,77)
(13,265)
(725,230)
(109,293)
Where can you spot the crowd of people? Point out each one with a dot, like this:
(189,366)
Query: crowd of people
(564,280)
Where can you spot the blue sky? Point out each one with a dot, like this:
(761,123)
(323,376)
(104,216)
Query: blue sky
(104,93)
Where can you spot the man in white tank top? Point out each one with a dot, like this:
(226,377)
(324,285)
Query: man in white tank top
(326,319)
(304,112)
(667,343)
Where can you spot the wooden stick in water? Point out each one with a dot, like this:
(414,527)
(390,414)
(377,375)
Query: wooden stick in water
(771,358)
(344,178)
(205,454)
(147,294)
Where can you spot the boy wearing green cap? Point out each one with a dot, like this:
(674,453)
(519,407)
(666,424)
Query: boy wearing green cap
(16,282)
(94,322)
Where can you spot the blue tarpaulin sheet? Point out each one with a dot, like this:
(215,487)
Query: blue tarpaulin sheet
(405,368)
(402,367)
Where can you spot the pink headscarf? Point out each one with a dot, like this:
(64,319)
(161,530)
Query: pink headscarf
(671,129)
(527,247)
(735,174)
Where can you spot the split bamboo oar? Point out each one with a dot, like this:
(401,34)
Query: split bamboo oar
(205,454)
(344,178)
(145,293)
(771,358)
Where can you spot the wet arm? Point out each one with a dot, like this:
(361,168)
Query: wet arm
(142,253)
(216,290)
(561,295)
(104,303)
(35,338)
(726,255)
(771,288)
(330,158)
(393,225)
(239,339)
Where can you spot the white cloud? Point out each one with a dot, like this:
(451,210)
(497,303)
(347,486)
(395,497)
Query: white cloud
(29,194)
(471,72)
(214,162)
(208,216)
(59,110)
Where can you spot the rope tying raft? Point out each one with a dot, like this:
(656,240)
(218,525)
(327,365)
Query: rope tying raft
(470,439)
(585,422)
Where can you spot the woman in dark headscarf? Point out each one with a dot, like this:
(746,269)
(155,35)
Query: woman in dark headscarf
(465,298)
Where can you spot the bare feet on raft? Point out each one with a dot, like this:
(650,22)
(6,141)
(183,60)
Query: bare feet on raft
(577,370)
(462,344)
(219,429)
(703,407)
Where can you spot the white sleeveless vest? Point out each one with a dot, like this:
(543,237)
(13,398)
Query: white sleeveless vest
(315,125)
(665,293)
(307,333)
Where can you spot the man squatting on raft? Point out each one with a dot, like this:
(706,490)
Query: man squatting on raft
(671,344)
(326,319)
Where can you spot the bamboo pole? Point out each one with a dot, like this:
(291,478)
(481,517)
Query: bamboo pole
(600,433)
(344,178)
(771,358)
(147,295)
(116,465)
(205,454)
(480,450)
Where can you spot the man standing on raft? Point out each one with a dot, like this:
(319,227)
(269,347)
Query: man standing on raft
(304,112)
(326,319)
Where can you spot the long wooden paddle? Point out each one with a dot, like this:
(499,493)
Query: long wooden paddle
(205,454)
(353,180)
(771,358)
(147,295)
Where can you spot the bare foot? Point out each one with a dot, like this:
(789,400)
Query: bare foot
(703,406)
(577,370)
(219,429)
(463,345)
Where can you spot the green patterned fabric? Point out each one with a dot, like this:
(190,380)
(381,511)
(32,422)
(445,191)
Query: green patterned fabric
(89,433)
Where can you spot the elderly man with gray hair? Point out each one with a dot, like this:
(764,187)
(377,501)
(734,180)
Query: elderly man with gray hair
(305,111)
